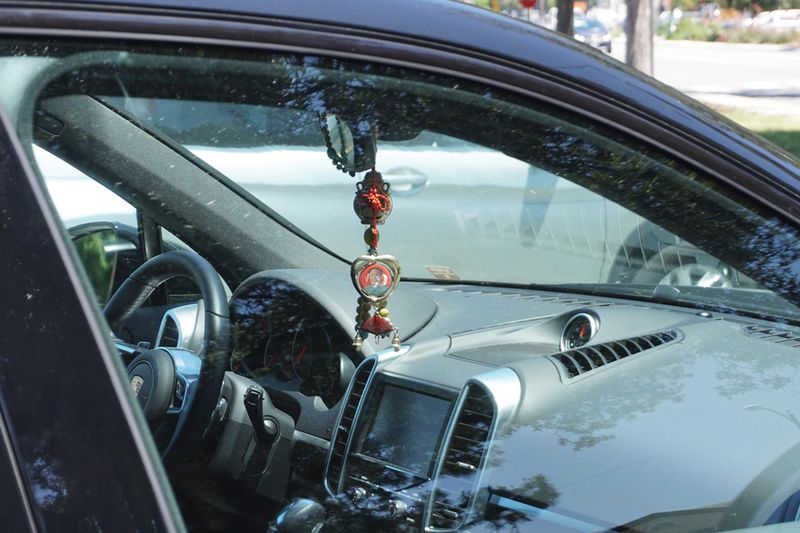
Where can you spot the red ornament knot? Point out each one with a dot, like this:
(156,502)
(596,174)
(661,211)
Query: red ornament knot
(373,202)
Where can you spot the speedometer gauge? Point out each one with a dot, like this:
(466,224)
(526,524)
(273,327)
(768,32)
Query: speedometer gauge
(579,330)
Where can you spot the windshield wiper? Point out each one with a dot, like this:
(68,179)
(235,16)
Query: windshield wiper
(753,303)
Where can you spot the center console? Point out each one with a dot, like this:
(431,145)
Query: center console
(394,447)
(410,453)
(387,438)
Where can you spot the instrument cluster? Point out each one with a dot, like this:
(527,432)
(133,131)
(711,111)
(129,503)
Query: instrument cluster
(284,340)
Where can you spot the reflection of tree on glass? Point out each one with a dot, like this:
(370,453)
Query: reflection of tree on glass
(99,264)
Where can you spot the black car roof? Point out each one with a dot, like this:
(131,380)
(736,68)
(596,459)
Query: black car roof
(445,21)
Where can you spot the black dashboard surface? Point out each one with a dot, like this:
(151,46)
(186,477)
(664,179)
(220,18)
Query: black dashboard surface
(602,430)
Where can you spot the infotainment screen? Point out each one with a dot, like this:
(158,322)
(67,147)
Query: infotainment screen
(403,427)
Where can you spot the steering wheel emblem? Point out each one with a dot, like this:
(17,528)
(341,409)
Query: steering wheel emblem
(136,385)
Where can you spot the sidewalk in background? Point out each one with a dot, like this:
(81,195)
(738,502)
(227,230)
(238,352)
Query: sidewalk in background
(756,78)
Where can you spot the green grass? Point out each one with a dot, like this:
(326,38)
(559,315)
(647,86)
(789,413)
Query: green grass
(788,140)
(781,130)
(698,30)
(760,37)
(695,31)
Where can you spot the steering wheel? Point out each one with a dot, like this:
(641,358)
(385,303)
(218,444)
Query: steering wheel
(154,374)
(697,275)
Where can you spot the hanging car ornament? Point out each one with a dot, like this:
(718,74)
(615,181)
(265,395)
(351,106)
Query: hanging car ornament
(374,276)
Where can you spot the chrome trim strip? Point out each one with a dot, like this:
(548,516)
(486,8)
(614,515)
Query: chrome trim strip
(368,361)
(187,369)
(124,346)
(546,516)
(504,388)
(377,359)
(307,438)
(190,324)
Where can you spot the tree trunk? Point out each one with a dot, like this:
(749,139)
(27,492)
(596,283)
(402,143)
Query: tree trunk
(639,31)
(564,20)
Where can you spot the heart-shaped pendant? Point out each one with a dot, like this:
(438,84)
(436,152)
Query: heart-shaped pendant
(375,276)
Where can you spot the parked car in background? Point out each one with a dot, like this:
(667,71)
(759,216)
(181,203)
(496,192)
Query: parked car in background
(598,317)
(778,20)
(594,33)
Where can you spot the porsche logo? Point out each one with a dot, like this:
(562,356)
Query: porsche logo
(136,385)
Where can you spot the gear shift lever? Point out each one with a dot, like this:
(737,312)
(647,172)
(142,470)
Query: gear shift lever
(265,432)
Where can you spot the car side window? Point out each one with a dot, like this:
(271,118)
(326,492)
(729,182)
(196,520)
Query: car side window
(103,227)
(568,201)
(101,224)
(79,199)
(441,169)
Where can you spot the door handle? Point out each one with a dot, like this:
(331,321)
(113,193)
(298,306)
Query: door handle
(405,181)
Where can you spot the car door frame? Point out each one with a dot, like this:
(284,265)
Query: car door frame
(69,419)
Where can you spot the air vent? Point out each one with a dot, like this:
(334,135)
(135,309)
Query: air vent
(344,425)
(456,481)
(774,335)
(582,360)
(170,335)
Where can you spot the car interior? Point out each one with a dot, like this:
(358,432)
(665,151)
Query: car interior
(570,295)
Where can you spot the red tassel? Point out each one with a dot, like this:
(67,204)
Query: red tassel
(377,325)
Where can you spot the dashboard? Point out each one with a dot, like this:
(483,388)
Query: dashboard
(287,343)
(519,408)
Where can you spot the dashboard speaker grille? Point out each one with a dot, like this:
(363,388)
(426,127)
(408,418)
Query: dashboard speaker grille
(587,358)
(461,464)
(342,432)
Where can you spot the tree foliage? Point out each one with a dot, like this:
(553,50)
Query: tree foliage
(741,5)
